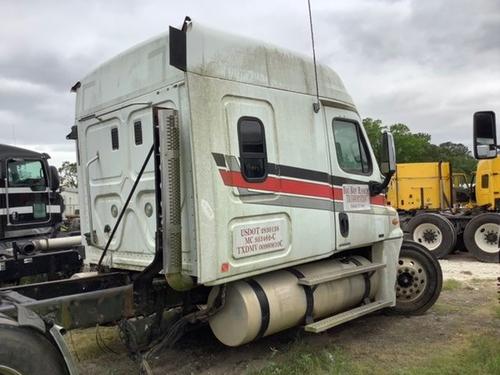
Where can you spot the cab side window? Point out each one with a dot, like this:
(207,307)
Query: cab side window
(253,153)
(352,151)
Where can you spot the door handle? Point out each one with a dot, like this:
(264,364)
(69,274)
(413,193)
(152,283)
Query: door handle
(344,224)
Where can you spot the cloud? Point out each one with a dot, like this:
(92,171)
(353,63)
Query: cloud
(426,63)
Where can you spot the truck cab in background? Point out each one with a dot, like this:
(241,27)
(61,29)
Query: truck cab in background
(30,205)
(30,209)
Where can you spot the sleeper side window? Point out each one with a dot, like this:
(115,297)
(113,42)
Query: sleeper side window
(352,151)
(138,133)
(485,181)
(115,143)
(253,153)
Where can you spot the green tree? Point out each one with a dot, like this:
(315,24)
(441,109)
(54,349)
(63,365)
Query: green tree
(460,157)
(68,175)
(417,147)
(410,147)
(374,129)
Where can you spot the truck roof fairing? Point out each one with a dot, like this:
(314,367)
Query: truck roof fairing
(209,53)
(9,152)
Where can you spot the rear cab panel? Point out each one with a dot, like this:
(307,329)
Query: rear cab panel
(115,134)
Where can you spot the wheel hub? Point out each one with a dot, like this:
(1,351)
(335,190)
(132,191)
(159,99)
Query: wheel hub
(405,279)
(430,236)
(491,238)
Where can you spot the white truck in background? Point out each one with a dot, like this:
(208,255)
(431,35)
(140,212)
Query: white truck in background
(215,185)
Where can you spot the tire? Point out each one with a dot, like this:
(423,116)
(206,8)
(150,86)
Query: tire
(433,231)
(419,280)
(481,236)
(24,351)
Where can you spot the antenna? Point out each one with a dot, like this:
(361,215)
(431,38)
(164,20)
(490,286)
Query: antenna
(316,105)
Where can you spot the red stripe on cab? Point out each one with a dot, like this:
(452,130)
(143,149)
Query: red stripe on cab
(283,185)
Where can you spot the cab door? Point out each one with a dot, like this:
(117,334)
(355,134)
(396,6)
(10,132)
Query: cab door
(360,219)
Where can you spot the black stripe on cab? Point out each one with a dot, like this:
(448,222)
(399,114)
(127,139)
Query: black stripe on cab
(298,173)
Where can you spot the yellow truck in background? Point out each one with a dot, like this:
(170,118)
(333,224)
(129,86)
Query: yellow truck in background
(437,206)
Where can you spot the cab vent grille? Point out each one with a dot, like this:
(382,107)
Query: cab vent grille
(138,133)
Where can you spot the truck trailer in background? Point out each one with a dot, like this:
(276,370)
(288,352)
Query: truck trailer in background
(437,207)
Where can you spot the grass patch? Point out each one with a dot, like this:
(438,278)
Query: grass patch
(84,343)
(476,355)
(300,360)
(477,280)
(496,311)
(451,284)
(479,356)
(441,308)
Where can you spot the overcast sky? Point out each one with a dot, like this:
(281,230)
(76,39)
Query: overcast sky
(427,63)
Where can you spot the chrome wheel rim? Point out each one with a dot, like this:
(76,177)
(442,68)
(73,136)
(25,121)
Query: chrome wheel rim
(411,280)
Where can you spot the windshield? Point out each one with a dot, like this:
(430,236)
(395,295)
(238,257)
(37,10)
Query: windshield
(27,173)
(460,181)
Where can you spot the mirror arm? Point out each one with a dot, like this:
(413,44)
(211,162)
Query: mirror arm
(378,187)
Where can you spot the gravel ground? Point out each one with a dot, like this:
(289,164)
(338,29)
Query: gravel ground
(465,267)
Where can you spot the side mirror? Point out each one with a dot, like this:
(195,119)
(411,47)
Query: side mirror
(388,155)
(54,181)
(485,135)
(387,164)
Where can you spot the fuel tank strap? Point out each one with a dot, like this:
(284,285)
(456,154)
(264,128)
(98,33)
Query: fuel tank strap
(367,276)
(264,307)
(309,295)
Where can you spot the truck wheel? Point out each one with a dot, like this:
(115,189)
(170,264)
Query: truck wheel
(481,237)
(433,231)
(24,351)
(418,281)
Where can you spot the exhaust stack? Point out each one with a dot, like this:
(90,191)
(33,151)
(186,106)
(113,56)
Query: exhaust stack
(171,200)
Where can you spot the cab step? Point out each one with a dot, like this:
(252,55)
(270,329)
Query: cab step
(324,278)
(335,320)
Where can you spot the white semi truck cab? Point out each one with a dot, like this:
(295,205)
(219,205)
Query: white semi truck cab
(209,167)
